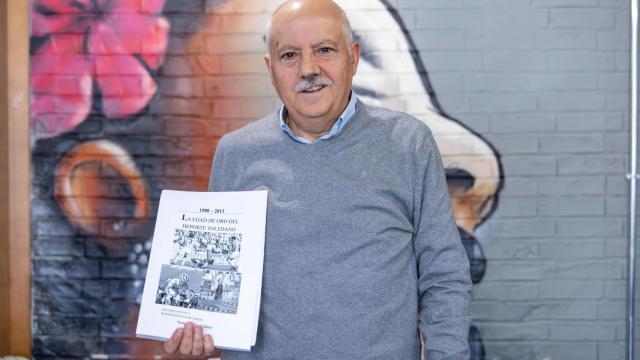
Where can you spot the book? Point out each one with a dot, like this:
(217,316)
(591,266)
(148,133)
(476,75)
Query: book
(206,266)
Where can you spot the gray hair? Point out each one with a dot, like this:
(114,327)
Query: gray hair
(347,31)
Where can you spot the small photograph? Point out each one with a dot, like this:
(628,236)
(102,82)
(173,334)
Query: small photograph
(220,291)
(206,250)
(208,290)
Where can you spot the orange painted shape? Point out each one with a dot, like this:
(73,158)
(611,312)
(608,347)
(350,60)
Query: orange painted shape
(79,177)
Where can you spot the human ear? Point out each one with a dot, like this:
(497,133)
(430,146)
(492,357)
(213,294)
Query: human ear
(267,62)
(355,57)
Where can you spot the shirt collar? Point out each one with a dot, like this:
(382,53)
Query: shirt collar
(337,127)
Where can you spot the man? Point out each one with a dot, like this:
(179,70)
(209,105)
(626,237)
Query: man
(219,290)
(389,75)
(176,287)
(358,206)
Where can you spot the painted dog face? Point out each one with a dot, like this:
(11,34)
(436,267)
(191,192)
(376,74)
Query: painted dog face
(389,74)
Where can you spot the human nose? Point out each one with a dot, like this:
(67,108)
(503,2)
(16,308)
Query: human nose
(309,66)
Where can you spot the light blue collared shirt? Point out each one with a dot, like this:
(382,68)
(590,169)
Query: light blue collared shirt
(346,115)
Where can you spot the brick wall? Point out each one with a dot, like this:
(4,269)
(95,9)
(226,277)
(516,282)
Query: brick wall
(544,81)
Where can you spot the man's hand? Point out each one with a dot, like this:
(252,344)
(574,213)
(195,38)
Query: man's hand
(190,340)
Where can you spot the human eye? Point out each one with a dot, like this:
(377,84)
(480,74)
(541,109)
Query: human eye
(325,50)
(289,55)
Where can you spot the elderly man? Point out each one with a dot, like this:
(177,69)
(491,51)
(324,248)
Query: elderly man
(360,232)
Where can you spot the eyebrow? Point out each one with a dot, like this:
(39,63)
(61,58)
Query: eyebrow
(286,48)
(325,42)
(315,45)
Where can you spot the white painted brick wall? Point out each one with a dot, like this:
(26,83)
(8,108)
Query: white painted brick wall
(546,81)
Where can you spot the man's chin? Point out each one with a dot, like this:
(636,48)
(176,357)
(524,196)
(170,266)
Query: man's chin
(314,114)
(313,110)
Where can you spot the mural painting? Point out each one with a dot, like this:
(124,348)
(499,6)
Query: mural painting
(130,97)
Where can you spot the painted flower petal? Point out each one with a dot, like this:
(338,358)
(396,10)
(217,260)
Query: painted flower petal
(126,7)
(68,43)
(49,7)
(125,84)
(62,69)
(138,6)
(42,25)
(104,41)
(132,24)
(55,16)
(132,34)
(61,89)
(155,42)
(60,55)
(152,6)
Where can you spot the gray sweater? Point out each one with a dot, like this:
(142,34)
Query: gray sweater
(360,240)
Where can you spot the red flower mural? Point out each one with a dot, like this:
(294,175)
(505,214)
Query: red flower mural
(113,42)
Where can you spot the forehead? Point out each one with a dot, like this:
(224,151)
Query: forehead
(306,29)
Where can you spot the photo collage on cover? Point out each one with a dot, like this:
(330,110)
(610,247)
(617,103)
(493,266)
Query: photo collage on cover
(203,272)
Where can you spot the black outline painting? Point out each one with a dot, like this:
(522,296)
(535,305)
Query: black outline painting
(102,152)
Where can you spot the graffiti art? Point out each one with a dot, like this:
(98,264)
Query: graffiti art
(131,97)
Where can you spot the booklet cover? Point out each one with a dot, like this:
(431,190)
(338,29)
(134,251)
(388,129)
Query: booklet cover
(206,266)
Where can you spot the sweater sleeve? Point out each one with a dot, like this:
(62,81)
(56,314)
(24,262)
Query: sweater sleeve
(444,281)
(216,176)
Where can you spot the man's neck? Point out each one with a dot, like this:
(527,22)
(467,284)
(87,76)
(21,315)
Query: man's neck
(309,131)
(313,128)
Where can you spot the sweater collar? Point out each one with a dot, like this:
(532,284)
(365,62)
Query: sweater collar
(337,127)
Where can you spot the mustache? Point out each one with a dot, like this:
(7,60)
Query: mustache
(311,81)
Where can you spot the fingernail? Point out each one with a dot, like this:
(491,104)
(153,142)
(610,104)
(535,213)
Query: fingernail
(189,325)
(177,334)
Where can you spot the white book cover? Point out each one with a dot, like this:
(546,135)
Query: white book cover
(206,266)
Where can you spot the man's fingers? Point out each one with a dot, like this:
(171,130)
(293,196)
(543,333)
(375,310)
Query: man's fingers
(190,340)
(171,345)
(208,345)
(197,341)
(187,339)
